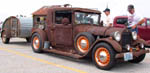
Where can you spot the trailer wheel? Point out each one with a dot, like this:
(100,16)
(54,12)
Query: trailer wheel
(138,59)
(36,43)
(28,39)
(83,41)
(5,40)
(103,56)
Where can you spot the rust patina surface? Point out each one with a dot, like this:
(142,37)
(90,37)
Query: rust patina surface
(61,37)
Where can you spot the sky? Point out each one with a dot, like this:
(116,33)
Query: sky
(27,7)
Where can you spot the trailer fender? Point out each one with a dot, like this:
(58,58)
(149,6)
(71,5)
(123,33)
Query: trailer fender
(8,35)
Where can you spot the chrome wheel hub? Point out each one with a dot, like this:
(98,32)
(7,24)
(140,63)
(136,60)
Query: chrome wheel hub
(103,56)
(83,43)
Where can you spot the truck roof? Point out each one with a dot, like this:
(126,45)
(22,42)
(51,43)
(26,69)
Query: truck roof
(44,10)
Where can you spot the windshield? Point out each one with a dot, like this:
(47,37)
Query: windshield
(86,18)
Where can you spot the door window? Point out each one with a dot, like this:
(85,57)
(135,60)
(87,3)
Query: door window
(59,15)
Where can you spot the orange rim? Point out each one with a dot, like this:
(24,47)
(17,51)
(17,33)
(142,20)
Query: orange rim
(36,42)
(102,56)
(83,44)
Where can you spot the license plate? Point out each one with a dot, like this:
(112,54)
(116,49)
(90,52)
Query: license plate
(128,56)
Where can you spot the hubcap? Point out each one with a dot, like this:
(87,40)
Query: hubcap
(83,44)
(102,56)
(36,42)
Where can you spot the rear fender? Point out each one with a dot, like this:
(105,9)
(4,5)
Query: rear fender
(42,33)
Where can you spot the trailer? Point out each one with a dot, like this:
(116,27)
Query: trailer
(16,27)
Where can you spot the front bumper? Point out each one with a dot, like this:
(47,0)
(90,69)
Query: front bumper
(135,53)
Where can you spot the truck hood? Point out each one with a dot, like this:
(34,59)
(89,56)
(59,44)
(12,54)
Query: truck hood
(96,30)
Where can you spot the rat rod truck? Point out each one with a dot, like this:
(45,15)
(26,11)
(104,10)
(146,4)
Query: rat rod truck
(76,32)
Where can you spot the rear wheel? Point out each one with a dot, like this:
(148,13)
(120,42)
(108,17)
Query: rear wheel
(4,38)
(83,41)
(36,43)
(103,56)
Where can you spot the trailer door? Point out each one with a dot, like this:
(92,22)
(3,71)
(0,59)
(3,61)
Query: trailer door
(14,27)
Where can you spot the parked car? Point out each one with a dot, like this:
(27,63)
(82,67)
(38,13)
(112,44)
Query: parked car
(76,32)
(16,27)
(143,29)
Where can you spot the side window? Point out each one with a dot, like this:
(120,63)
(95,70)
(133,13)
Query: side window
(59,15)
(122,21)
(40,20)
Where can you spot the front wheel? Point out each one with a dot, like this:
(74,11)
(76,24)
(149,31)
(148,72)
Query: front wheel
(103,56)
(36,43)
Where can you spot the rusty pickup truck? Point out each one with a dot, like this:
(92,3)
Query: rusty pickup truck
(76,32)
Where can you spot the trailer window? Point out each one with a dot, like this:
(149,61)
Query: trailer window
(59,15)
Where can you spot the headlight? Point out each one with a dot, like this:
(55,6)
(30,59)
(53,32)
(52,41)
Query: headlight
(134,35)
(117,36)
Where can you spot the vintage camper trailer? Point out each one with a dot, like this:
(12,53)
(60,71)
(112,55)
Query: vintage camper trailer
(16,27)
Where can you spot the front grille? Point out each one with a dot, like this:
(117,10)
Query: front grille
(126,39)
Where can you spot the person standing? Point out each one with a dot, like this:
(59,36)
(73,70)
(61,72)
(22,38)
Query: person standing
(134,19)
(107,19)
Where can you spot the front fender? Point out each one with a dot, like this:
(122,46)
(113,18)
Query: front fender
(116,46)
(138,41)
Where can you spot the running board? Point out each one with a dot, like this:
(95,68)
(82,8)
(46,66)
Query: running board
(73,55)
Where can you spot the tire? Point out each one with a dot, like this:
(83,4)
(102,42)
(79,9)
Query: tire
(4,39)
(108,54)
(88,40)
(37,43)
(138,59)
(28,40)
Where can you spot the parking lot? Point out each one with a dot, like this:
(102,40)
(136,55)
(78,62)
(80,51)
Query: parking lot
(18,57)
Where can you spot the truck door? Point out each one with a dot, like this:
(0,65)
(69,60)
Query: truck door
(62,33)
(14,27)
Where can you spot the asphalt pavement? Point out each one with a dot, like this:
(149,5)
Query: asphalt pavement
(18,57)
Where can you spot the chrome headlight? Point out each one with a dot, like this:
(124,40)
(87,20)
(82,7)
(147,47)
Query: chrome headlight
(117,36)
(134,35)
